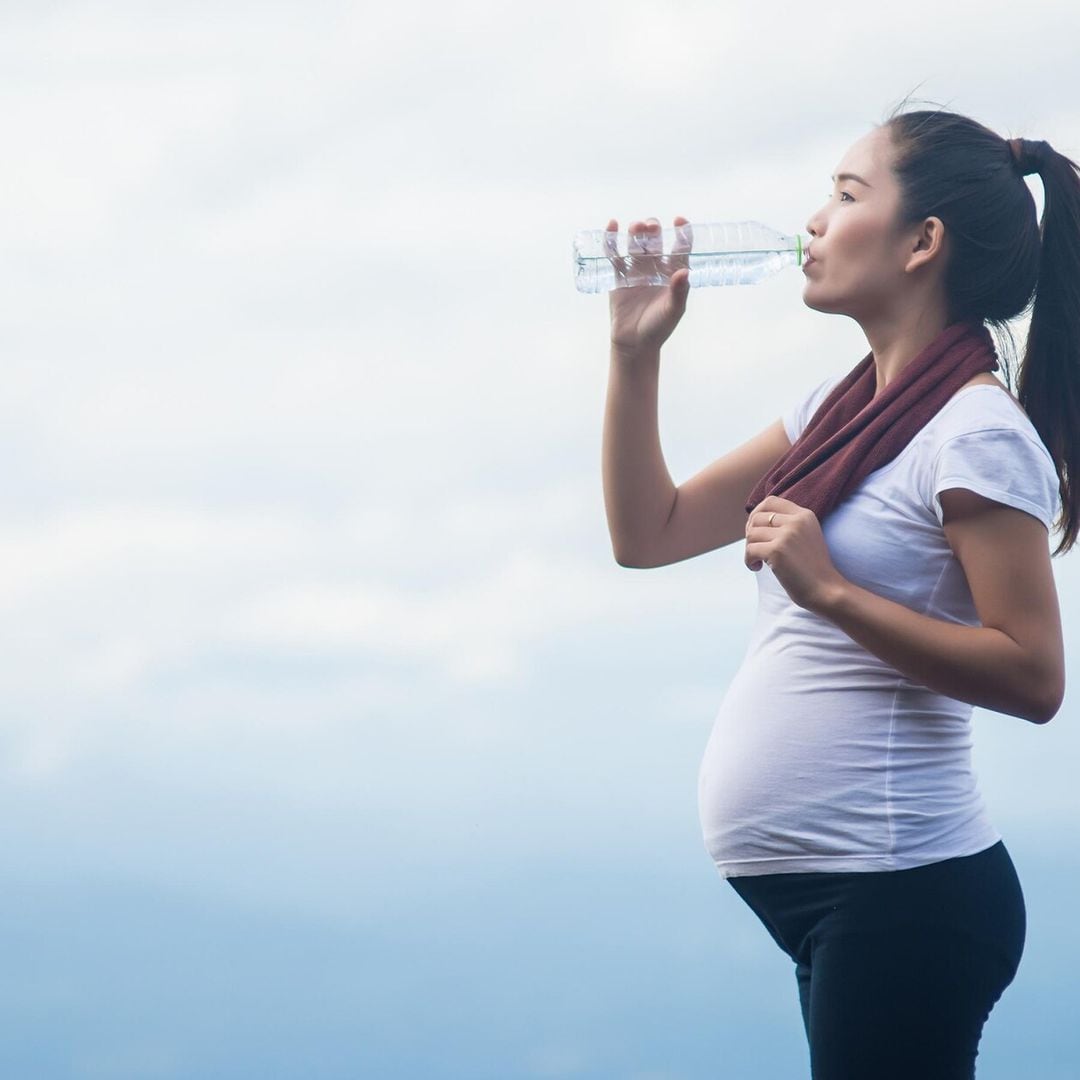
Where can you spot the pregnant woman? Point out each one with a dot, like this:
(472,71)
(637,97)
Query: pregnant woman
(896,516)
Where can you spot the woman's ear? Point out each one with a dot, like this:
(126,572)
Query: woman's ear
(929,243)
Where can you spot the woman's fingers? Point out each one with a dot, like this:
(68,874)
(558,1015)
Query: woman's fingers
(646,237)
(635,238)
(611,243)
(654,238)
(684,237)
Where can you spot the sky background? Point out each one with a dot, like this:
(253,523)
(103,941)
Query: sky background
(334,742)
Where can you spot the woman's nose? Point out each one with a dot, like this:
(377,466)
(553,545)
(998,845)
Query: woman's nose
(815,222)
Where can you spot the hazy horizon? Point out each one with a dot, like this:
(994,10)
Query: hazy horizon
(336,743)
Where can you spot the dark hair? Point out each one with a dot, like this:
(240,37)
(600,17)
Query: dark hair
(1003,262)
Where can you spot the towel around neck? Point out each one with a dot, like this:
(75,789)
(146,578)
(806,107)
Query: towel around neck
(853,433)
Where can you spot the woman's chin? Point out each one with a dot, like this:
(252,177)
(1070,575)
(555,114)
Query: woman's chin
(819,305)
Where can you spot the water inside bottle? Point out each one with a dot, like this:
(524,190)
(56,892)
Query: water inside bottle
(597,274)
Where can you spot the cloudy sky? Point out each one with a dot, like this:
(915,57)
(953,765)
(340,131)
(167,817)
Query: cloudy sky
(334,741)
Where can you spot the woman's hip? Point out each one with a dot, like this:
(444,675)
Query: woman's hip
(978,897)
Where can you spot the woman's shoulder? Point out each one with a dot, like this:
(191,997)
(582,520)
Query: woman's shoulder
(990,416)
(981,405)
(983,440)
(984,378)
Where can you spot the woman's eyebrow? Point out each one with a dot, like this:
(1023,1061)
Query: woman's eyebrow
(850,176)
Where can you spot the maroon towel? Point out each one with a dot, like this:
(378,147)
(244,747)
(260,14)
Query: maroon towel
(853,433)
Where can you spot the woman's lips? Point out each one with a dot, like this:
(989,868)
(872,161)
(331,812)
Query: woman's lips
(807,264)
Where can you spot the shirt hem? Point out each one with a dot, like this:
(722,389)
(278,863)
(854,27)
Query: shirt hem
(841,864)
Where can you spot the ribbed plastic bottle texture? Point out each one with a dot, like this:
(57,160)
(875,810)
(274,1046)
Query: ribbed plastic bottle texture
(720,253)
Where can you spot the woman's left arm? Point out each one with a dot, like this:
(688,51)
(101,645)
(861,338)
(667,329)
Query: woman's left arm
(1015,662)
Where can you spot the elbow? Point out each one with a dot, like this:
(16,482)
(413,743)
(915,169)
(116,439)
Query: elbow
(1048,709)
(630,558)
(1046,715)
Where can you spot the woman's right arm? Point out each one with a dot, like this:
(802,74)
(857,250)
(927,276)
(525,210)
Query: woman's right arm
(638,490)
(651,522)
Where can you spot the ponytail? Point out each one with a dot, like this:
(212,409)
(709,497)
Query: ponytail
(1049,384)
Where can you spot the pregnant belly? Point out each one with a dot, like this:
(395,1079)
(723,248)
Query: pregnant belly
(787,773)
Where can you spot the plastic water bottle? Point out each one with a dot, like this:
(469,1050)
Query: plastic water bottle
(723,253)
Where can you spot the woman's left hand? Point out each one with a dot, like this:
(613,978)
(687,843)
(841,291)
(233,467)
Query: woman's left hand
(795,550)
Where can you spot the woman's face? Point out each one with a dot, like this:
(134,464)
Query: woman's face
(858,254)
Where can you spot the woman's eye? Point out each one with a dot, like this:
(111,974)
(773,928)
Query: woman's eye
(843,193)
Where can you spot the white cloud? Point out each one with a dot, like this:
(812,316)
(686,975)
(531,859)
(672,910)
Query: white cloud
(302,412)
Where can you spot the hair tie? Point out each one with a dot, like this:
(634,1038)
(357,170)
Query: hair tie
(1028,154)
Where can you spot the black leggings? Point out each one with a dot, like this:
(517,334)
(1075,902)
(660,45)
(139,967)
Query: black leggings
(897,969)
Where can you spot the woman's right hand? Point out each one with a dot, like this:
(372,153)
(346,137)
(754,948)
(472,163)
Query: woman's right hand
(644,316)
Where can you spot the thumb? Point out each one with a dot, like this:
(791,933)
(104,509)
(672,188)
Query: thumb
(680,287)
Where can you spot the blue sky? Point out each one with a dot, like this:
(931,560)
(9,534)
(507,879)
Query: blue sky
(334,741)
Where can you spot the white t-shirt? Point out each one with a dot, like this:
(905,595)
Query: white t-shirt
(823,757)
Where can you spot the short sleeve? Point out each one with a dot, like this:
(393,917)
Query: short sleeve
(1003,464)
(798,415)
